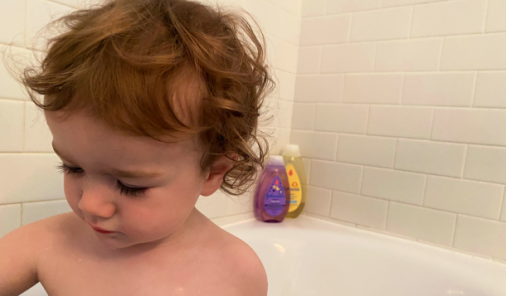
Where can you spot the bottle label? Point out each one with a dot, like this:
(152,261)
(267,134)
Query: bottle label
(275,199)
(295,189)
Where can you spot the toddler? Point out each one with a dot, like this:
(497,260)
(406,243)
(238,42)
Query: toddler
(151,103)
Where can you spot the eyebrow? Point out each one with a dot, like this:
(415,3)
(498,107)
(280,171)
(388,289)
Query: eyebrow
(116,172)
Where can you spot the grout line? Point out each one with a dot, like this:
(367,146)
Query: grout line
(395,152)
(501,205)
(24,127)
(425,185)
(486,16)
(466,148)
(411,21)
(349,29)
(440,54)
(432,124)
(386,218)
(454,233)
(475,86)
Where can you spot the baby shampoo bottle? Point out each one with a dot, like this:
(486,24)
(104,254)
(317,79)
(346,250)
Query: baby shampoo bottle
(297,180)
(272,196)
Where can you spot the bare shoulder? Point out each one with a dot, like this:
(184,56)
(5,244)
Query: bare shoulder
(20,253)
(239,263)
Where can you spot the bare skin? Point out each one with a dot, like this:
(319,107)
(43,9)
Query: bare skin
(159,245)
(206,261)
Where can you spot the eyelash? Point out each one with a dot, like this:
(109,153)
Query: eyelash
(135,192)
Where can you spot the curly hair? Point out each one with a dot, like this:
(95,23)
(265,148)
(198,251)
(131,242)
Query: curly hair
(163,67)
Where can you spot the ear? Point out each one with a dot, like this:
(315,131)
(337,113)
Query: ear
(214,175)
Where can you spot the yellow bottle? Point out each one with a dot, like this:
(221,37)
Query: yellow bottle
(297,179)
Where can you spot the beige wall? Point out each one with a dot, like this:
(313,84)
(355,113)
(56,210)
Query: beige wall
(30,186)
(406,100)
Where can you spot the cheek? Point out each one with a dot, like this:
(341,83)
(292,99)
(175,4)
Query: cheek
(72,189)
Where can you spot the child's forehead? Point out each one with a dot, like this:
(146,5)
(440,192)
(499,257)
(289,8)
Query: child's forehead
(82,137)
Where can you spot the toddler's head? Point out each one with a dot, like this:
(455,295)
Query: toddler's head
(152,103)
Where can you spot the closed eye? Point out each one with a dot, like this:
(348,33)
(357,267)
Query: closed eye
(130,191)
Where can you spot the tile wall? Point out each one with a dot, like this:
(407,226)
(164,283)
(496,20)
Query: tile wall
(30,187)
(407,99)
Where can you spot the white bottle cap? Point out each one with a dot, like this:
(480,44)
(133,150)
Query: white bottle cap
(276,160)
(291,150)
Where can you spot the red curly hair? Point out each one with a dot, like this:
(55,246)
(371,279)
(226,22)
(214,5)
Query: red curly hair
(163,67)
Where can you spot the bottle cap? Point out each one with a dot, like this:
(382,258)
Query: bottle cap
(276,160)
(291,150)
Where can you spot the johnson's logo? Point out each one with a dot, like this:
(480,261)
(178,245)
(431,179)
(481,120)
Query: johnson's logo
(290,173)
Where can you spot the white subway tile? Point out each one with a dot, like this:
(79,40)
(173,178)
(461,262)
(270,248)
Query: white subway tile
(309,60)
(381,24)
(303,116)
(266,14)
(430,157)
(12,21)
(286,55)
(470,126)
(10,218)
(348,58)
(307,167)
(92,3)
(286,85)
(282,138)
(341,6)
(325,88)
(358,209)
(475,52)
(37,134)
(464,197)
(438,89)
(240,204)
(11,126)
(448,18)
(490,89)
(39,14)
(10,88)
(290,28)
(503,213)
(29,177)
(285,114)
(481,236)
(325,30)
(408,55)
(341,118)
(372,151)
(291,6)
(389,3)
(426,224)
(337,176)
(318,201)
(33,212)
(373,88)
(311,8)
(393,185)
(213,206)
(326,148)
(408,122)
(485,164)
(495,16)
(72,3)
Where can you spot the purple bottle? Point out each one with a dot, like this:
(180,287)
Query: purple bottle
(272,197)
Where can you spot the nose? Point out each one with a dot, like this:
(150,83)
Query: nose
(95,201)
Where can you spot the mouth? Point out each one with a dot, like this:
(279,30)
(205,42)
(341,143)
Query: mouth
(100,230)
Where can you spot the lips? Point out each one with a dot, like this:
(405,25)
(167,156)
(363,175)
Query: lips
(97,229)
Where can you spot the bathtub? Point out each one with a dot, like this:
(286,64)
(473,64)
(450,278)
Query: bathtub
(311,257)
